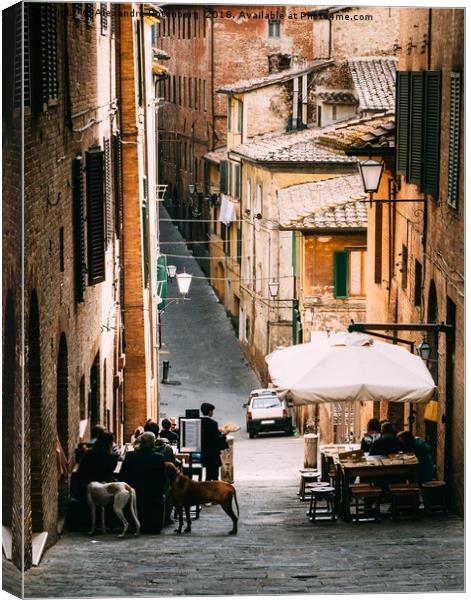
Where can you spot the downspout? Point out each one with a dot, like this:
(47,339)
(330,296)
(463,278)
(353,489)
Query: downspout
(213,124)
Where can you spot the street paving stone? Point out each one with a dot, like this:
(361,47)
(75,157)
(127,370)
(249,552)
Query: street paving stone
(286,555)
(277,550)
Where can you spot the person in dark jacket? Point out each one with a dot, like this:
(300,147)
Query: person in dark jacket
(388,443)
(98,463)
(373,431)
(422,450)
(144,470)
(212,442)
(167,433)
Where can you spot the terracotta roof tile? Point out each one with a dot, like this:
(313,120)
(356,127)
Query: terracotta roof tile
(334,203)
(374,80)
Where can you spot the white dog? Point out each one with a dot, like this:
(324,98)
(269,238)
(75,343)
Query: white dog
(118,493)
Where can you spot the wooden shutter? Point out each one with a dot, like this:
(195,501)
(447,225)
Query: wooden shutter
(418,284)
(103,17)
(139,65)
(341,274)
(378,243)
(95,216)
(49,76)
(431,151)
(454,139)
(237,181)
(416,127)
(118,183)
(80,267)
(223,176)
(108,189)
(18,75)
(239,245)
(402,121)
(89,13)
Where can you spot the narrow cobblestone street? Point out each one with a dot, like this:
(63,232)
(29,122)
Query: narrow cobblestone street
(277,550)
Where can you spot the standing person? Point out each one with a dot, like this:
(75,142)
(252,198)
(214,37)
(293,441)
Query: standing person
(373,431)
(144,470)
(212,442)
(388,443)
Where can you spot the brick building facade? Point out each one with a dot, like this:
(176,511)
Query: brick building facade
(210,49)
(420,254)
(66,92)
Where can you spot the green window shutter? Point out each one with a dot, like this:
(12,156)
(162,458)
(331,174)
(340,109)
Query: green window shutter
(402,120)
(145,243)
(341,274)
(223,176)
(416,127)
(237,182)
(454,139)
(431,152)
(80,266)
(108,189)
(297,325)
(95,216)
(162,280)
(118,183)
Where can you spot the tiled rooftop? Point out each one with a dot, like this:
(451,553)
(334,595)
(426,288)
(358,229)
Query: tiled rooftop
(374,80)
(246,85)
(295,146)
(376,131)
(333,203)
(337,97)
(217,155)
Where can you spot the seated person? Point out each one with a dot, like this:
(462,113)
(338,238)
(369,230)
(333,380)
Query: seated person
(135,436)
(97,464)
(166,432)
(144,470)
(388,443)
(160,445)
(373,431)
(422,450)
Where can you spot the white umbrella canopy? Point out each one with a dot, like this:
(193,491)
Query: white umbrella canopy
(347,367)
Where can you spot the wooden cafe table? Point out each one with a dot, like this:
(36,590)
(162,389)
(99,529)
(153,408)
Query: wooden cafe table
(404,465)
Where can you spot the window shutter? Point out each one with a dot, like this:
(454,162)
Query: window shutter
(49,78)
(229,113)
(454,139)
(80,269)
(118,183)
(402,120)
(18,74)
(95,216)
(223,176)
(416,127)
(108,189)
(239,245)
(89,13)
(378,243)
(341,274)
(145,243)
(237,182)
(431,152)
(103,17)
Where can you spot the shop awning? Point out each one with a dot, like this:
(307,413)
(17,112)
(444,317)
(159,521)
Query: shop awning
(349,367)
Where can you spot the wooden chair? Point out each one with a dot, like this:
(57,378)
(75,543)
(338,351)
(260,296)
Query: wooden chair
(405,499)
(317,512)
(367,501)
(307,478)
(434,497)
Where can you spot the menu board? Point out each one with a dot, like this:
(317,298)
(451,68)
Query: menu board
(190,435)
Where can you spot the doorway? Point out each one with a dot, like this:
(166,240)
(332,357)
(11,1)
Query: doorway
(450,361)
(95,409)
(63,420)
(35,413)
(8,407)
(432,338)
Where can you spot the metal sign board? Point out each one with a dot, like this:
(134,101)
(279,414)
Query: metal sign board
(190,434)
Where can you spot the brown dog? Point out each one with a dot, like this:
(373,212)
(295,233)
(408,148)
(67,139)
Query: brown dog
(186,492)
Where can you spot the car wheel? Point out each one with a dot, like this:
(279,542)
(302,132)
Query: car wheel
(290,431)
(251,434)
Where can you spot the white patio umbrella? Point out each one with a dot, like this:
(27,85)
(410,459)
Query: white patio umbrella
(348,367)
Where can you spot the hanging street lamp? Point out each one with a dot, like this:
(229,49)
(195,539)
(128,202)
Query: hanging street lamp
(184,283)
(424,350)
(371,172)
(274,287)
(171,271)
